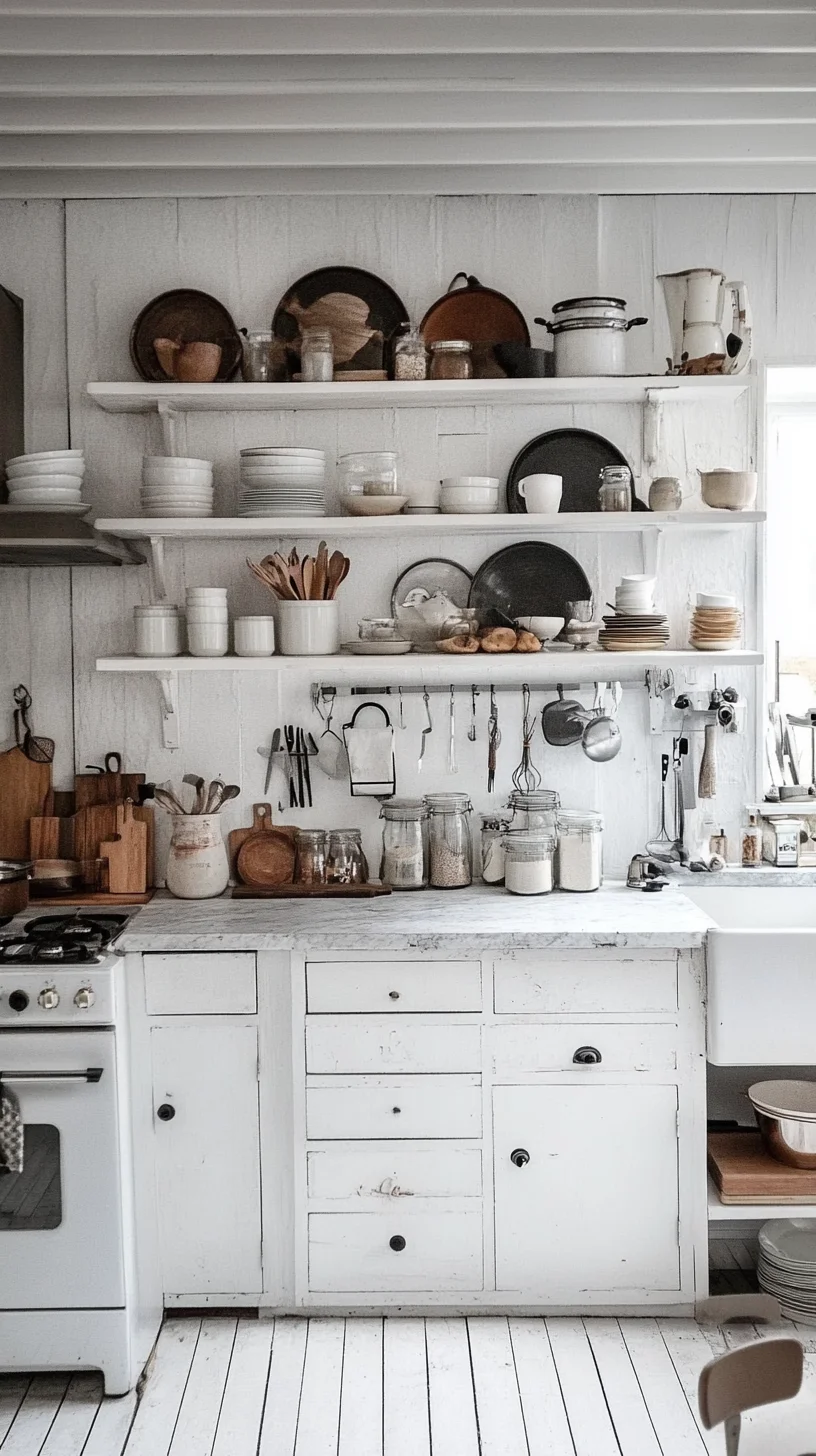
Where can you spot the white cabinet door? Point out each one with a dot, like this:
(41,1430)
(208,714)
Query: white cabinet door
(205,1110)
(595,1206)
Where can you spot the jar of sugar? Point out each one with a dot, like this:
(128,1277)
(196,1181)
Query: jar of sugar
(580,850)
(528,862)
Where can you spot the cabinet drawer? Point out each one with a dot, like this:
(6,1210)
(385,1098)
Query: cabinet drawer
(583,983)
(394,1170)
(551,1048)
(214,983)
(390,1044)
(394,986)
(393,1107)
(353,1251)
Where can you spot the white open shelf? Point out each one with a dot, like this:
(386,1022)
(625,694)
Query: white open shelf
(757,1212)
(242,528)
(141,398)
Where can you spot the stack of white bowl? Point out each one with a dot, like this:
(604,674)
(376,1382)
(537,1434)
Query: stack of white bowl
(49,480)
(282,480)
(207,621)
(174,485)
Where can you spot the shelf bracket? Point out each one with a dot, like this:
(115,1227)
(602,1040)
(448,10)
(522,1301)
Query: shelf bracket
(652,426)
(651,542)
(168,686)
(157,575)
(168,419)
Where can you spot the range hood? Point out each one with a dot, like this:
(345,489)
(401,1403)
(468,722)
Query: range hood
(34,538)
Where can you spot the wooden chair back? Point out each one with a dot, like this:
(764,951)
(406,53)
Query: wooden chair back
(754,1375)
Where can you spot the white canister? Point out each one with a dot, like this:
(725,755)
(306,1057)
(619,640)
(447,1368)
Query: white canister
(542,493)
(157,631)
(254,636)
(208,639)
(197,864)
(309,629)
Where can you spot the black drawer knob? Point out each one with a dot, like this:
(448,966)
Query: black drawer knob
(166,1112)
(396,1110)
(397,1243)
(519,1157)
(394,995)
(587,1056)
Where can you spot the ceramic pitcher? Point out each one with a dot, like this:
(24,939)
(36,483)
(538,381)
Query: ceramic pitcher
(197,864)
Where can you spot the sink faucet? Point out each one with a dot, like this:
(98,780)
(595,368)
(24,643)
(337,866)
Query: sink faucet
(645,873)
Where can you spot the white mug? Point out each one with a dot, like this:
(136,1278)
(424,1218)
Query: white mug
(542,493)
(254,636)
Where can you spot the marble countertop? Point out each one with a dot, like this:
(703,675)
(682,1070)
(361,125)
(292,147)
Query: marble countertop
(462,921)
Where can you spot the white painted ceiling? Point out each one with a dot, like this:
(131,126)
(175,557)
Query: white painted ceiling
(102,98)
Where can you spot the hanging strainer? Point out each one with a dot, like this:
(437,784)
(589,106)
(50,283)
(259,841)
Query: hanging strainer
(37,750)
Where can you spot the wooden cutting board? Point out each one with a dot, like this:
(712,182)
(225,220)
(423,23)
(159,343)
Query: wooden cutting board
(106,788)
(304,892)
(44,837)
(261,822)
(24,792)
(744,1173)
(267,859)
(97,823)
(126,853)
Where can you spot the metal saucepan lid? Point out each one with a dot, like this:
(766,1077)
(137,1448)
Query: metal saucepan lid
(563,326)
(593,302)
(15,869)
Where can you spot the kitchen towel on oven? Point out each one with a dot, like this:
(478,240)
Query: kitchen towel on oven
(11,1132)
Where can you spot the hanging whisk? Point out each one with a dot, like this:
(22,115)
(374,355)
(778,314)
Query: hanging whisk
(526,778)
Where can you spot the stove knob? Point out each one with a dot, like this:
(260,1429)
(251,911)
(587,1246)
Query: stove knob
(48,998)
(84,998)
(18,1000)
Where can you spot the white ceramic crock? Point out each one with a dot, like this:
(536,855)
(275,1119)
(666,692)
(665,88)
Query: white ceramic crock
(308,629)
(197,865)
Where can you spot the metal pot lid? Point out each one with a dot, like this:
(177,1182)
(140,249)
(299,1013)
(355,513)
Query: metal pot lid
(561,326)
(15,869)
(595,301)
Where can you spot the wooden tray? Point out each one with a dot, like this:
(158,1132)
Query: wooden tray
(306,892)
(744,1173)
(94,897)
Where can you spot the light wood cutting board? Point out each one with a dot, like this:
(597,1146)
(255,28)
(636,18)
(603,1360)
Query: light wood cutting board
(25,788)
(96,823)
(261,822)
(745,1173)
(126,853)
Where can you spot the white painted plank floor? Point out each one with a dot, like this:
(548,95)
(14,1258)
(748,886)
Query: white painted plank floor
(486,1386)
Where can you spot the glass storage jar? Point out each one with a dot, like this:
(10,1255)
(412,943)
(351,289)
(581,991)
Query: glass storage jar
(410,356)
(264,358)
(528,862)
(451,359)
(615,490)
(404,863)
(372,472)
(534,811)
(580,850)
(310,861)
(450,849)
(493,828)
(316,356)
(377,629)
(346,863)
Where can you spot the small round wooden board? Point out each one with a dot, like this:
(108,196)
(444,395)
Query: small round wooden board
(267,859)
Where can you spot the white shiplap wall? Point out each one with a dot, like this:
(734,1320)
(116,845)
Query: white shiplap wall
(118,254)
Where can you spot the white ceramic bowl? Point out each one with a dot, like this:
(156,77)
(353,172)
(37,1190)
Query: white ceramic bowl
(638,581)
(49,498)
(186,462)
(45,483)
(179,480)
(422,494)
(208,639)
(544,628)
(206,614)
(465,500)
(476,481)
(716,599)
(44,455)
(46,470)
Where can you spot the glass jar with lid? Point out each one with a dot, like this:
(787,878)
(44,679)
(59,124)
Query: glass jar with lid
(346,863)
(264,358)
(493,828)
(451,359)
(316,356)
(370,472)
(528,862)
(580,850)
(535,810)
(404,863)
(410,356)
(310,857)
(615,491)
(450,849)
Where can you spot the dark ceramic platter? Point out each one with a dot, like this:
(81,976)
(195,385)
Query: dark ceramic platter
(362,311)
(530,579)
(189,315)
(578,456)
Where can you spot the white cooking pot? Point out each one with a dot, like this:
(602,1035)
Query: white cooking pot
(589,336)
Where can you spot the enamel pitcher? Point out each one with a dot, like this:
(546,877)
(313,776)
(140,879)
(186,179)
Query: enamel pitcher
(696,302)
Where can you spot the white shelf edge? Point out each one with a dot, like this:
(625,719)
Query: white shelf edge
(239,528)
(544,668)
(719,1212)
(137,397)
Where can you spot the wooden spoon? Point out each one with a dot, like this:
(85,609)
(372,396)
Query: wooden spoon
(308,567)
(321,571)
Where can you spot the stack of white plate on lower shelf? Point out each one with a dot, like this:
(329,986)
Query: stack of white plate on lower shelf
(50,480)
(787,1266)
(282,480)
(176,486)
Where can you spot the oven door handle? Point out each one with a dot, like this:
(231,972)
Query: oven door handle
(91,1074)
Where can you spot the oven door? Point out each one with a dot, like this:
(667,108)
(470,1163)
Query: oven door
(61,1218)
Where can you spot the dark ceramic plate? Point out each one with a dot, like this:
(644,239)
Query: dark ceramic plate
(578,456)
(362,311)
(530,579)
(188,315)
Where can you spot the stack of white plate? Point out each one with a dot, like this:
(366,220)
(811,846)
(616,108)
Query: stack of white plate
(282,480)
(50,480)
(176,486)
(787,1266)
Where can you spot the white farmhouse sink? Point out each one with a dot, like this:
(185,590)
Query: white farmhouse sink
(761,974)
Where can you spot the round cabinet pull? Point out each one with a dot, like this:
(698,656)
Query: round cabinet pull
(587,1056)
(397,1243)
(166,1112)
(394,995)
(396,1109)
(519,1157)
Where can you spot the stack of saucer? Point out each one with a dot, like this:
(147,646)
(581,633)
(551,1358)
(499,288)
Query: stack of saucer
(716,623)
(787,1266)
(50,480)
(635,625)
(282,480)
(176,486)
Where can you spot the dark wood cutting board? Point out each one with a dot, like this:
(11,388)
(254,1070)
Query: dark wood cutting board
(106,788)
(744,1173)
(314,892)
(25,789)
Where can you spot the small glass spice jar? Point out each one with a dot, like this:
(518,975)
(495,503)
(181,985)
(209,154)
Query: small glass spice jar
(615,490)
(410,356)
(493,828)
(310,861)
(580,850)
(404,863)
(346,863)
(451,359)
(751,844)
(316,356)
(450,848)
(528,862)
(264,358)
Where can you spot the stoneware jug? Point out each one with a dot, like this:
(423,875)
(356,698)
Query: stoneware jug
(197,865)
